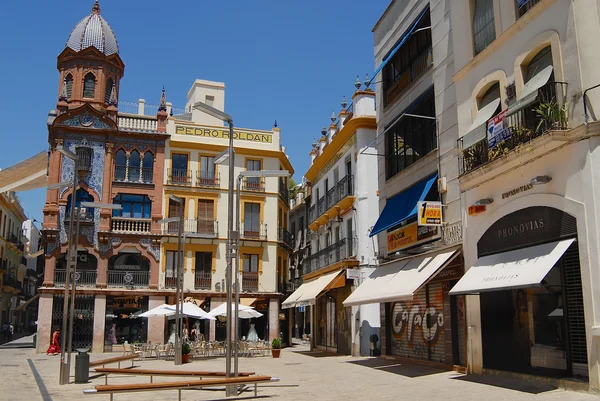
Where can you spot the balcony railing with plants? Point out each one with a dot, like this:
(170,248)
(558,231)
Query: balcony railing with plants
(548,113)
(125,279)
(202,280)
(343,249)
(252,231)
(130,225)
(84,278)
(176,176)
(207,179)
(250,281)
(256,184)
(284,192)
(285,237)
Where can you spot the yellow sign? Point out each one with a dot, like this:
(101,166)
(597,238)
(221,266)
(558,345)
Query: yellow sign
(223,134)
(410,235)
(430,213)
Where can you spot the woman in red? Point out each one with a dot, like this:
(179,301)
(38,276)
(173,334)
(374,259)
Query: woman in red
(54,348)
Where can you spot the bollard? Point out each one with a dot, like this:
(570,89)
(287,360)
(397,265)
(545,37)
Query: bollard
(82,366)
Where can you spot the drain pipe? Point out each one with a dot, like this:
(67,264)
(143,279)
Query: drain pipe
(585,113)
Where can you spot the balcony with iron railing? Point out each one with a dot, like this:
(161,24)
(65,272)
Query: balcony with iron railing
(134,175)
(11,283)
(202,280)
(176,176)
(83,278)
(85,217)
(254,231)
(343,249)
(170,282)
(284,192)
(130,225)
(256,184)
(126,279)
(340,197)
(193,227)
(207,179)
(285,237)
(547,113)
(250,281)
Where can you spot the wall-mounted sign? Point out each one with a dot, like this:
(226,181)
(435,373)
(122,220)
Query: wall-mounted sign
(352,274)
(474,210)
(127,267)
(411,235)
(127,302)
(497,130)
(223,134)
(518,190)
(429,213)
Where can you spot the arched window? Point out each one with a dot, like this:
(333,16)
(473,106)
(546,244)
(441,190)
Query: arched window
(490,95)
(69,82)
(81,195)
(89,85)
(148,167)
(107,92)
(541,60)
(134,166)
(120,165)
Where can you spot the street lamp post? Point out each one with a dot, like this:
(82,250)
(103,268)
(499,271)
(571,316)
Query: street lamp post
(231,235)
(179,279)
(261,173)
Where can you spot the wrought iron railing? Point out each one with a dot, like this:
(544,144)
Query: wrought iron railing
(253,184)
(332,198)
(147,175)
(343,249)
(178,176)
(8,280)
(84,278)
(127,279)
(130,225)
(524,125)
(198,226)
(284,192)
(203,280)
(286,237)
(312,214)
(120,173)
(252,231)
(250,281)
(170,282)
(345,187)
(207,179)
(321,203)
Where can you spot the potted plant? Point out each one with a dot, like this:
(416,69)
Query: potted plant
(276,347)
(185,352)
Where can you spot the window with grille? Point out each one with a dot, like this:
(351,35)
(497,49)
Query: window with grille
(107,92)
(411,138)
(484,31)
(69,81)
(84,158)
(89,85)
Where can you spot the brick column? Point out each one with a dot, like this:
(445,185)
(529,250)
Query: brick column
(156,324)
(44,326)
(105,214)
(50,265)
(99,323)
(273,318)
(101,279)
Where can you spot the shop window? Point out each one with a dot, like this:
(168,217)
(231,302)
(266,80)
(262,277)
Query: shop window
(524,5)
(133,206)
(484,31)
(410,61)
(89,86)
(411,138)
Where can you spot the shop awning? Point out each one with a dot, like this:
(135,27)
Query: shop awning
(26,175)
(30,300)
(478,130)
(402,206)
(401,279)
(530,90)
(522,268)
(247,301)
(307,293)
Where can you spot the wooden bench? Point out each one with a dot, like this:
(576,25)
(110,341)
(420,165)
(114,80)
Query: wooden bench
(116,359)
(158,372)
(178,385)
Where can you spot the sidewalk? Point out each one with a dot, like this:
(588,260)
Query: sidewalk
(304,375)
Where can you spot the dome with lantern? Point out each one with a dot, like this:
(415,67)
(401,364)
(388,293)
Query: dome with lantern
(94,31)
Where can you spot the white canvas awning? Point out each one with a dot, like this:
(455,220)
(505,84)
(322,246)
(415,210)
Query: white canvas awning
(26,175)
(530,90)
(478,130)
(307,293)
(401,279)
(522,268)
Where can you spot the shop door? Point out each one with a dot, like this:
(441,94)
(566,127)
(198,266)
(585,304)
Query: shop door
(83,319)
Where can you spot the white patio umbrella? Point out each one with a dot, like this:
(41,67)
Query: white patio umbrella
(244,312)
(158,311)
(192,310)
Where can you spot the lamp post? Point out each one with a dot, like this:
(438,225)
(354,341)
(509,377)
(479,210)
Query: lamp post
(257,174)
(231,235)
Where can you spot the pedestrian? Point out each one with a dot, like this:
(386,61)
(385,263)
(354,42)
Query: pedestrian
(54,348)
(11,331)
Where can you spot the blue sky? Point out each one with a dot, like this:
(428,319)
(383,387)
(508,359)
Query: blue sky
(290,61)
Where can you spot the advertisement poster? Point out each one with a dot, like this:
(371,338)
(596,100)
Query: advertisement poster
(497,130)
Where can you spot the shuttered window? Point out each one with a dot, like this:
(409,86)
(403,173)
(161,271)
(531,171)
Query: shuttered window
(206,210)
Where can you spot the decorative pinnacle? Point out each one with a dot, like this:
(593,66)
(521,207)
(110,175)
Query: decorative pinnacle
(357,84)
(333,117)
(275,125)
(96,8)
(344,103)
(162,106)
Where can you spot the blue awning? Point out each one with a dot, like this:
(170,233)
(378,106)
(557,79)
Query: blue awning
(403,206)
(399,45)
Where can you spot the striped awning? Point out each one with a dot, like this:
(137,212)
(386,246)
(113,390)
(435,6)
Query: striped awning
(26,175)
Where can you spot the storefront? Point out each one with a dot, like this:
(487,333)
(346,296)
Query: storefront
(528,278)
(123,323)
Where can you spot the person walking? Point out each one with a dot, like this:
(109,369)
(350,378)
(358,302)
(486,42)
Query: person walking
(54,348)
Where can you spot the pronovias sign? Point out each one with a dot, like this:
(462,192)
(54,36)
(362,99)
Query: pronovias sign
(219,133)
